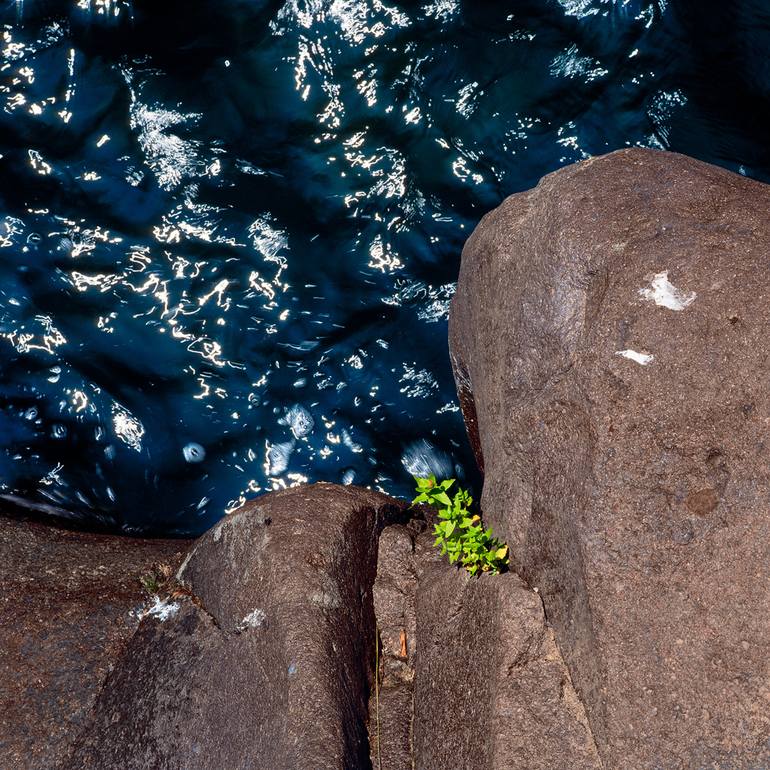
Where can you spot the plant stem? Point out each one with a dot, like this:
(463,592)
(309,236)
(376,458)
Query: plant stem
(377,692)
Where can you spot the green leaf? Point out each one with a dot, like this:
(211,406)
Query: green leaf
(459,532)
(442,497)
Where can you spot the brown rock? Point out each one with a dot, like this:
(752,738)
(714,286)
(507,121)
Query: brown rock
(470,675)
(264,656)
(633,490)
(69,601)
(491,689)
(391,718)
(390,728)
(394,590)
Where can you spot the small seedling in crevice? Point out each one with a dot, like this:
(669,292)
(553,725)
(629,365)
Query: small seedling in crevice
(459,532)
(154,580)
(150,583)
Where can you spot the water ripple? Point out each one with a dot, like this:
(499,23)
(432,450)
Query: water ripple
(230,234)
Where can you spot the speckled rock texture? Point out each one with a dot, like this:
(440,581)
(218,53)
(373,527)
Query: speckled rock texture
(610,343)
(470,675)
(262,657)
(69,602)
(392,719)
(491,689)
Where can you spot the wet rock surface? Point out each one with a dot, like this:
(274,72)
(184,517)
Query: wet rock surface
(609,339)
(262,656)
(69,603)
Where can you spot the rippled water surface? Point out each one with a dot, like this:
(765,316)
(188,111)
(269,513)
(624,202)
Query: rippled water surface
(230,231)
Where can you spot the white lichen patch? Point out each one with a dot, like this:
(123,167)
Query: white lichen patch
(662,292)
(254,619)
(162,609)
(633,355)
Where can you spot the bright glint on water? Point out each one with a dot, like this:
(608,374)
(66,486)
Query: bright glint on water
(230,231)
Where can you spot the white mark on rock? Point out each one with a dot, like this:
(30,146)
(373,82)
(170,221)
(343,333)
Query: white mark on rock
(253,620)
(162,609)
(640,358)
(665,294)
(138,612)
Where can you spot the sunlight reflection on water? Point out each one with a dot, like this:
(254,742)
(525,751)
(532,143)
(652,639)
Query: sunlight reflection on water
(231,233)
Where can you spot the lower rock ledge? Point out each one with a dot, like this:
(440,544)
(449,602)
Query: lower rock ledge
(259,655)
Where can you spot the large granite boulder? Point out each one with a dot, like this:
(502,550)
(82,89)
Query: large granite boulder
(610,346)
(261,656)
(69,602)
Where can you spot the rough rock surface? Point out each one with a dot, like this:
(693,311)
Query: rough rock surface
(470,675)
(262,658)
(609,338)
(69,602)
(491,689)
(391,718)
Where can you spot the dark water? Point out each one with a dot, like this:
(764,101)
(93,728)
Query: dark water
(229,231)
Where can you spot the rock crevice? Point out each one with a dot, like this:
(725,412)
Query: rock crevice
(470,672)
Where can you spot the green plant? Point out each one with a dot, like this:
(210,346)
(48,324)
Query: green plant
(153,580)
(150,583)
(459,532)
